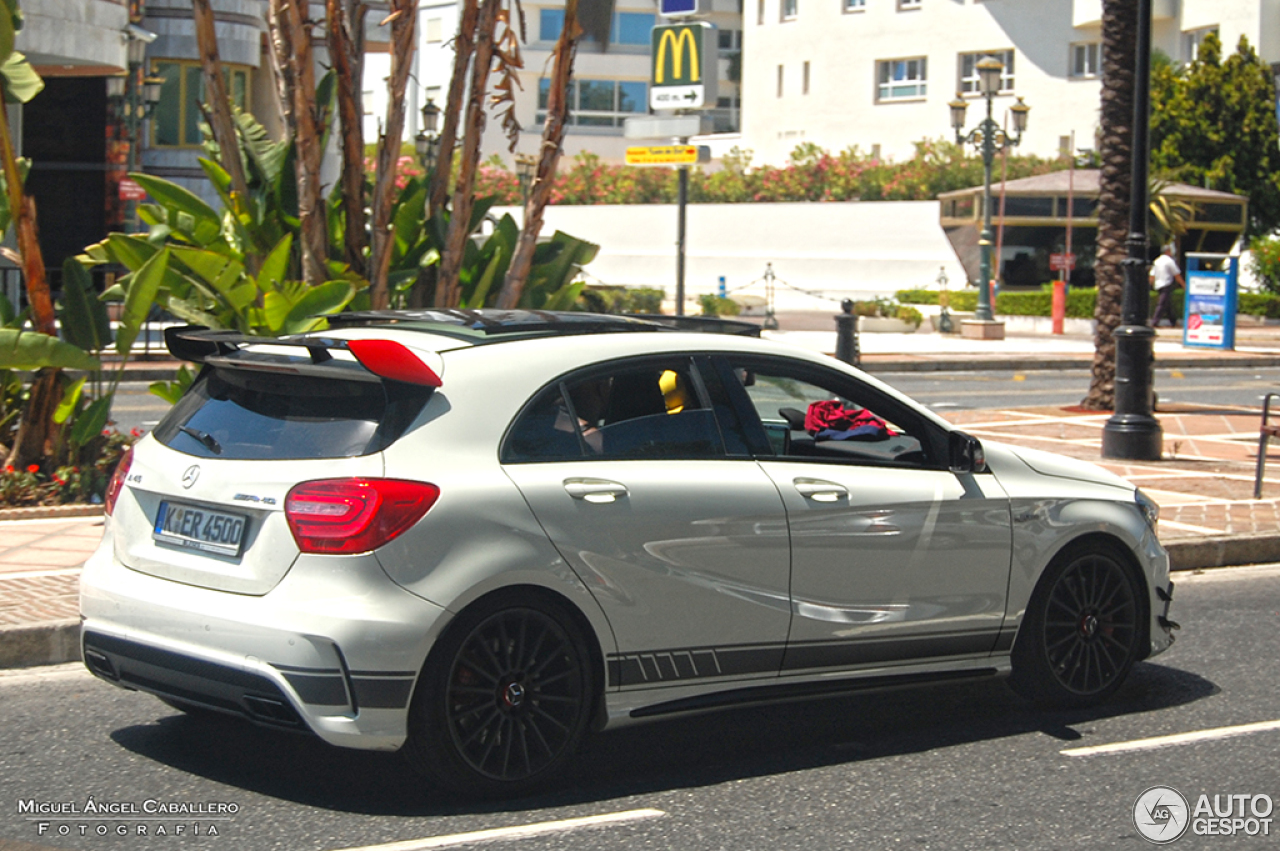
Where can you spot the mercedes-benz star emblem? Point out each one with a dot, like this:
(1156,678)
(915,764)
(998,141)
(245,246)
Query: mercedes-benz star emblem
(190,476)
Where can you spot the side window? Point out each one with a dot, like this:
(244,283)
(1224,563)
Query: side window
(654,410)
(812,414)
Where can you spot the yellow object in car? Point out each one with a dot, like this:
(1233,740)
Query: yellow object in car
(673,391)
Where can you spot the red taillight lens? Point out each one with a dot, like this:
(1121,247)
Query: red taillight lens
(117,482)
(354,515)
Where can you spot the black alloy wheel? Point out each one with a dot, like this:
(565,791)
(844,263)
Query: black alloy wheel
(1081,631)
(512,697)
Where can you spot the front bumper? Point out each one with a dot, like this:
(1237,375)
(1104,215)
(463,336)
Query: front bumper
(335,648)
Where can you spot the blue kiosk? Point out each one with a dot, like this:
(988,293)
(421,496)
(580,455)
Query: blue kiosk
(1209,309)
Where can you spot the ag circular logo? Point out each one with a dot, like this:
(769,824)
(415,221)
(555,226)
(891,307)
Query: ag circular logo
(1161,814)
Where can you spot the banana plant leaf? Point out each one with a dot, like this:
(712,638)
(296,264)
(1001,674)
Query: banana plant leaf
(138,300)
(84,316)
(21,349)
(91,421)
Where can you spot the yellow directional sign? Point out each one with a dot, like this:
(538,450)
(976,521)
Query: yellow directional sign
(668,155)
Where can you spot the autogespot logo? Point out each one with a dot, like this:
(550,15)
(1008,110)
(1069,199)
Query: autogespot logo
(1161,815)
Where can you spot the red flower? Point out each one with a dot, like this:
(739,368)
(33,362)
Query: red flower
(34,468)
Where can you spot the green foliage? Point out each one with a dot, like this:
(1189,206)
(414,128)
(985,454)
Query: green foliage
(30,350)
(1213,123)
(172,391)
(1080,303)
(961,300)
(1266,305)
(1264,261)
(715,305)
(813,174)
(66,481)
(606,299)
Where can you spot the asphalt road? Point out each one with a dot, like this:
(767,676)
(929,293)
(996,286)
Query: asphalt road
(961,390)
(939,768)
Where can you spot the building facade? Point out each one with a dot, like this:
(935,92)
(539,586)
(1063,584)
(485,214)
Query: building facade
(611,81)
(878,74)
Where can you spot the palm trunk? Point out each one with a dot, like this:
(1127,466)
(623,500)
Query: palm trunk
(447,287)
(346,52)
(1119,31)
(219,104)
(464,46)
(30,445)
(548,159)
(291,39)
(402,45)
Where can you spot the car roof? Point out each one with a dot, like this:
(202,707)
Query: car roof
(489,325)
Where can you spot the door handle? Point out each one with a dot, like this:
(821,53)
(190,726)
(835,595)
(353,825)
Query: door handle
(820,490)
(598,491)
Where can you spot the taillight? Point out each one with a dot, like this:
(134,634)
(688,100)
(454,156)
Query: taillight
(116,484)
(354,515)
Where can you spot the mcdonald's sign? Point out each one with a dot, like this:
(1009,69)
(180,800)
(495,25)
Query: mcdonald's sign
(684,68)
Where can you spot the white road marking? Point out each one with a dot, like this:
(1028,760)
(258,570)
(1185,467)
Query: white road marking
(1187,527)
(1174,740)
(518,832)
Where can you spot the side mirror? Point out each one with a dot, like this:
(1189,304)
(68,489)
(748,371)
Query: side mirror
(966,455)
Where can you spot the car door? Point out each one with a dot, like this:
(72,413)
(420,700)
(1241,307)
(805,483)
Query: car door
(895,558)
(665,516)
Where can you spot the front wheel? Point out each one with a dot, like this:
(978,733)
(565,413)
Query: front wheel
(505,700)
(1080,634)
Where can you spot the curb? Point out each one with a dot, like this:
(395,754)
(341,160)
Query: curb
(48,512)
(58,642)
(50,643)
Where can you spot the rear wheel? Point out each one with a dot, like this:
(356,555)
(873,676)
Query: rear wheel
(1080,635)
(505,700)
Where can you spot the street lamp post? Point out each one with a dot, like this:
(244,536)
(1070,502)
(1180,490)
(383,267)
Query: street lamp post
(987,137)
(526,168)
(135,96)
(426,143)
(1132,432)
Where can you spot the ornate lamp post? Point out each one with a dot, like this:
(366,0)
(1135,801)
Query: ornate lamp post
(1132,432)
(987,137)
(426,143)
(135,97)
(526,168)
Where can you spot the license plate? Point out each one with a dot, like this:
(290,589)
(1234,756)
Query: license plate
(200,528)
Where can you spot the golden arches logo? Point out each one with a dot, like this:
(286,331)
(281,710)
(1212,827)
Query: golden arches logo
(678,39)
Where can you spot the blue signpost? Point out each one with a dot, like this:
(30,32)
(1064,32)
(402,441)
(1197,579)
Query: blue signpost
(675,8)
(1210,305)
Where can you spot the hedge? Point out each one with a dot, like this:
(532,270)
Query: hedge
(1080,302)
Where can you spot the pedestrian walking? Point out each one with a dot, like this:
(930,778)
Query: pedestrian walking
(1166,276)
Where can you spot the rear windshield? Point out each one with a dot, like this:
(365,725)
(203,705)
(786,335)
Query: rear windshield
(238,414)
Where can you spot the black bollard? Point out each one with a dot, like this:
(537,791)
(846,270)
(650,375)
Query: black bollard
(847,335)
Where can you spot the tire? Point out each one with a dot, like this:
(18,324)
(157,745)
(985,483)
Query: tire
(504,700)
(1081,632)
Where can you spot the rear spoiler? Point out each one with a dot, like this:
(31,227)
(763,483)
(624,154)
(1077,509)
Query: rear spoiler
(381,359)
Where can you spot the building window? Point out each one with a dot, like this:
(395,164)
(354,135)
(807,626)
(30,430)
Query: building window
(729,39)
(969,80)
(779,81)
(1191,41)
(598,103)
(435,30)
(176,120)
(805,84)
(854,5)
(900,79)
(904,5)
(630,28)
(789,9)
(1085,59)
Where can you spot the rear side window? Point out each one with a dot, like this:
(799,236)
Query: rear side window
(244,415)
(655,410)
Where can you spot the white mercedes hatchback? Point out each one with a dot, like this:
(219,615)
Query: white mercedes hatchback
(478,535)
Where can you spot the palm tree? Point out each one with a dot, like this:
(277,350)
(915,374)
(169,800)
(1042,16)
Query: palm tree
(1119,33)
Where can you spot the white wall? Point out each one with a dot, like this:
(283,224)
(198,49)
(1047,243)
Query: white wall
(835,250)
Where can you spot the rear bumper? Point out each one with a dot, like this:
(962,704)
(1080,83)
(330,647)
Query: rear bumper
(335,648)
